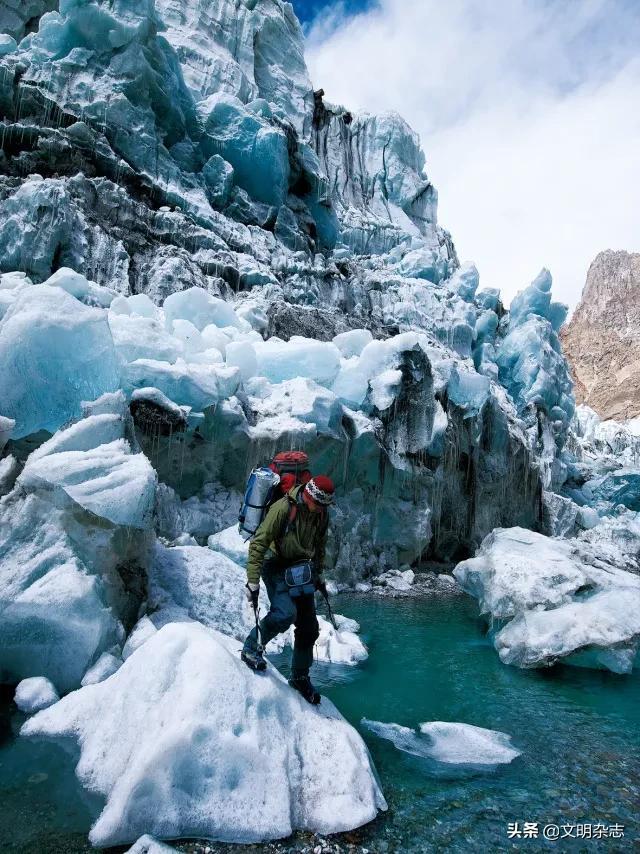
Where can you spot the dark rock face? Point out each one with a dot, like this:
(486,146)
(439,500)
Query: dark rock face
(602,341)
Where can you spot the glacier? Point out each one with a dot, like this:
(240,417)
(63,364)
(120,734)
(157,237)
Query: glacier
(204,261)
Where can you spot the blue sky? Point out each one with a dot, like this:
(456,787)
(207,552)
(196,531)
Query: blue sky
(527,112)
(307,10)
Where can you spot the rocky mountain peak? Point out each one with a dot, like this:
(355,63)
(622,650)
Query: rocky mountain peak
(602,341)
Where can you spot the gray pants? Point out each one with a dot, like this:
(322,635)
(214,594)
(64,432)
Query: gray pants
(283,612)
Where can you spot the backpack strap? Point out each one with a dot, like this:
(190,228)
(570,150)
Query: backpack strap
(288,522)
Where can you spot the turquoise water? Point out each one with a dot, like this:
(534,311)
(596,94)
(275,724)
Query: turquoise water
(579,732)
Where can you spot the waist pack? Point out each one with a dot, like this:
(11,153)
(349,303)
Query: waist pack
(298,579)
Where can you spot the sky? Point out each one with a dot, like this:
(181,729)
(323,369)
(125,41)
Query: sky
(528,112)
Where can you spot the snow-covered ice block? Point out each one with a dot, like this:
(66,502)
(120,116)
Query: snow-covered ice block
(104,667)
(141,632)
(108,480)
(353,342)
(601,631)
(242,355)
(449,743)
(556,599)
(199,307)
(81,288)
(34,694)
(205,584)
(194,385)
(195,740)
(298,357)
(231,544)
(53,618)
(297,405)
(55,352)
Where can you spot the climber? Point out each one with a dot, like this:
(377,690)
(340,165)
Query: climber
(288,551)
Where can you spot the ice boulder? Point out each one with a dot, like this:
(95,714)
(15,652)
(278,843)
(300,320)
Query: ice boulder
(34,694)
(231,544)
(201,584)
(199,307)
(74,536)
(447,743)
(6,429)
(55,352)
(299,357)
(195,745)
(554,600)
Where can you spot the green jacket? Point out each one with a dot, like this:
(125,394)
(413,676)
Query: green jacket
(306,538)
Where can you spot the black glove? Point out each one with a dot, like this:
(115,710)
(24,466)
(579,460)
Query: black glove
(252,592)
(321,586)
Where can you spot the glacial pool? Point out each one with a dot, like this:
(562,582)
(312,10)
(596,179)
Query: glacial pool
(578,730)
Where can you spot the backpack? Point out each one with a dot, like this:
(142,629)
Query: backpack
(293,468)
(267,484)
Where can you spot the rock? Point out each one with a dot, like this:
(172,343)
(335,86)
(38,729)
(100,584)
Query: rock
(602,340)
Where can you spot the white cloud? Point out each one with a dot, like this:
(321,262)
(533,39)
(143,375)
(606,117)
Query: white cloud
(528,113)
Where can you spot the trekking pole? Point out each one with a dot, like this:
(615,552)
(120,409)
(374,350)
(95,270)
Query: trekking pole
(259,647)
(331,617)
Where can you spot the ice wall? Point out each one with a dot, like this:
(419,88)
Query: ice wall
(300,290)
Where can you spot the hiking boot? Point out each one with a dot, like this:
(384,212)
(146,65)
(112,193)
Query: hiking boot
(254,659)
(303,685)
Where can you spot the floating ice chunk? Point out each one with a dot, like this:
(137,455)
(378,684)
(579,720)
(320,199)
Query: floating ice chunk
(602,631)
(334,646)
(449,743)
(142,631)
(464,744)
(352,343)
(565,599)
(242,355)
(231,544)
(190,712)
(55,352)
(201,308)
(104,667)
(34,694)
(143,306)
(298,357)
